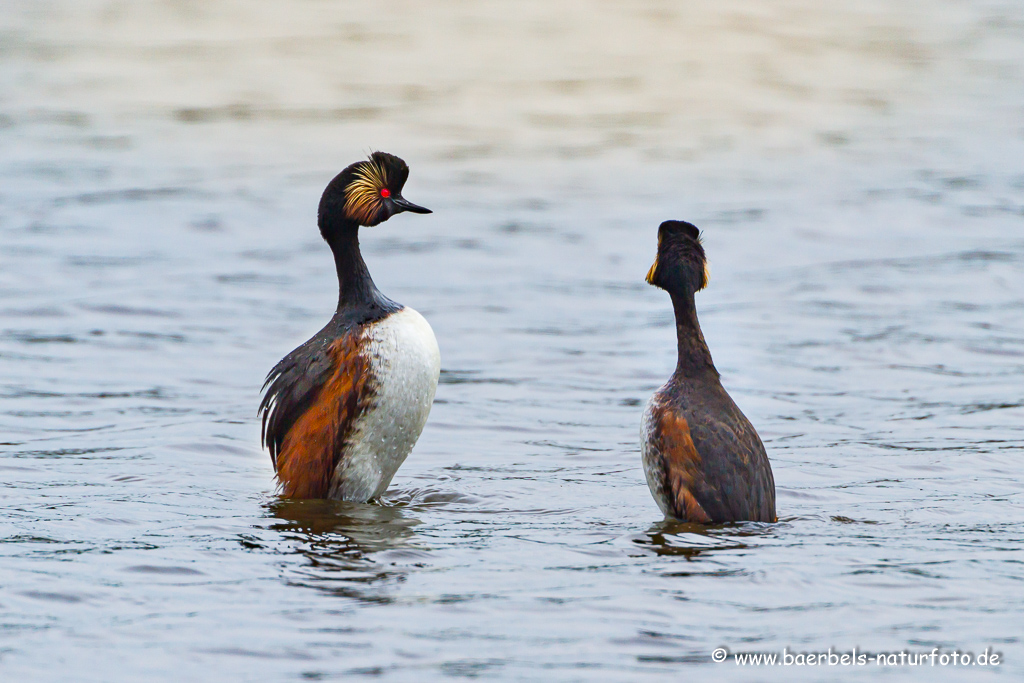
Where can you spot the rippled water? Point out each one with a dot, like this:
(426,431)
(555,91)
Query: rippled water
(857,171)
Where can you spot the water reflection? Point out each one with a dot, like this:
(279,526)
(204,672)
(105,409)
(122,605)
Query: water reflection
(688,540)
(370,527)
(352,550)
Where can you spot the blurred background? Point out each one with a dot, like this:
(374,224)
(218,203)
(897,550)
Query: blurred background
(856,168)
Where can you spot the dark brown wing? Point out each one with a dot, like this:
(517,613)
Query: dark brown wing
(290,388)
(738,482)
(735,460)
(313,398)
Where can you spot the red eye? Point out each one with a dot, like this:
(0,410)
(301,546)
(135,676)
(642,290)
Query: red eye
(385,192)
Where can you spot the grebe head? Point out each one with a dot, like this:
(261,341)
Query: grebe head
(680,265)
(366,193)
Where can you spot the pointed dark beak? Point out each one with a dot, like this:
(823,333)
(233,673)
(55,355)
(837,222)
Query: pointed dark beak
(405,205)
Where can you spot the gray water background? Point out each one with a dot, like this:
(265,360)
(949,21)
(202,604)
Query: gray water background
(857,169)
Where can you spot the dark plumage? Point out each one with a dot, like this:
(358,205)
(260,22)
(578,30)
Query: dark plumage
(341,412)
(703,459)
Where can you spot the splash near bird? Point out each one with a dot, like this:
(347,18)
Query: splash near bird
(342,412)
(703,459)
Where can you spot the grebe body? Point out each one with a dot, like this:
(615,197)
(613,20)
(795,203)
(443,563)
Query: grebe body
(703,460)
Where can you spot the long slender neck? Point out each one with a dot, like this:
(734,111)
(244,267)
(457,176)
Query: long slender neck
(358,297)
(694,356)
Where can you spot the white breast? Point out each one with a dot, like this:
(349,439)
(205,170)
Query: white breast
(405,363)
(651,459)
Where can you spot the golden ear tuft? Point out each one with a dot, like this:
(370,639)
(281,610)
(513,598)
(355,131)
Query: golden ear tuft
(652,271)
(363,194)
(705,276)
(654,266)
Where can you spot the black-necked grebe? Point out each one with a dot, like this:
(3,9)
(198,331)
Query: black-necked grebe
(703,459)
(342,412)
